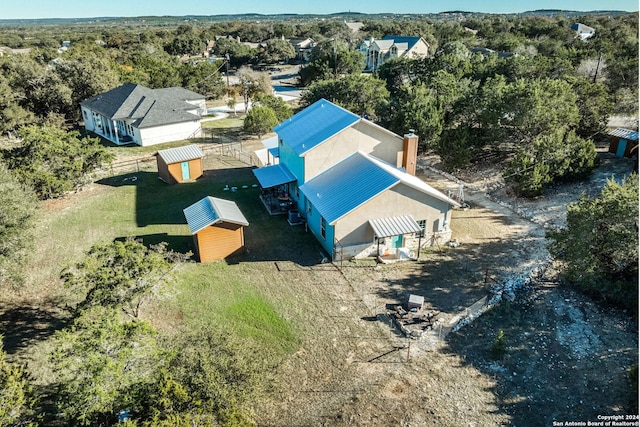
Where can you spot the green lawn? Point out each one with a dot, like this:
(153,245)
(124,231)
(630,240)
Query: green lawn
(228,294)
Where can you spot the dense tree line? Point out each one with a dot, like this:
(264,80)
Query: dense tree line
(600,244)
(539,105)
(540,109)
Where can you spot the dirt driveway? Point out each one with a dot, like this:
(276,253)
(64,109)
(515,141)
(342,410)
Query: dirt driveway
(566,358)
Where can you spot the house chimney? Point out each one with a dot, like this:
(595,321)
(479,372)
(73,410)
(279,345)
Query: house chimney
(410,152)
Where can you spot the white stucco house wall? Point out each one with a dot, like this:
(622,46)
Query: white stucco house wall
(136,114)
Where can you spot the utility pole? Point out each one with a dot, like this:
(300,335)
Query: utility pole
(335,58)
(226,59)
(595,76)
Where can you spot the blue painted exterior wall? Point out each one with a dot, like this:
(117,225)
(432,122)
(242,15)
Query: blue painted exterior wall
(314,220)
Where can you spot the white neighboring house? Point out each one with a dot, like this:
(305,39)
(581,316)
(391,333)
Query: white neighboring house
(584,32)
(136,114)
(377,51)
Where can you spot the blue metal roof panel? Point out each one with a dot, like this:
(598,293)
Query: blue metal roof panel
(211,210)
(346,185)
(314,125)
(275,151)
(270,176)
(200,215)
(410,40)
(628,134)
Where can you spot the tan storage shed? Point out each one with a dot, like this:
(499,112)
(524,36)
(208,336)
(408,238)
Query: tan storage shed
(217,226)
(181,164)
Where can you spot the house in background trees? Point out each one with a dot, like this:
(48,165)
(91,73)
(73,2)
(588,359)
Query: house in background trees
(377,51)
(135,114)
(354,184)
(180,164)
(217,226)
(584,32)
(303,47)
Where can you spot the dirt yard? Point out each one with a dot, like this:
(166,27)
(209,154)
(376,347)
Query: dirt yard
(566,358)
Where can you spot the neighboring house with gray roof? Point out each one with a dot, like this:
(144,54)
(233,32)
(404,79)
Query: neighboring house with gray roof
(136,114)
(377,51)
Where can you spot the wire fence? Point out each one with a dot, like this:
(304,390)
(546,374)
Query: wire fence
(148,162)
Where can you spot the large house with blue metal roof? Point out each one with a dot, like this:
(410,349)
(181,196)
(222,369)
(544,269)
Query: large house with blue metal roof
(377,51)
(136,114)
(354,184)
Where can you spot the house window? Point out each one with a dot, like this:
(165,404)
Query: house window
(323,228)
(309,207)
(280,141)
(423,225)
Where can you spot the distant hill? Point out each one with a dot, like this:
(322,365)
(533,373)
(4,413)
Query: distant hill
(167,20)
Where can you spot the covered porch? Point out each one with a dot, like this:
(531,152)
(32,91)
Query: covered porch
(274,188)
(394,238)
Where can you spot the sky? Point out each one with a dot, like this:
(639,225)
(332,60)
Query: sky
(34,9)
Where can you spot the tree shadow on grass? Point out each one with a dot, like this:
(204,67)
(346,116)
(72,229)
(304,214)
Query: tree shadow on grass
(23,325)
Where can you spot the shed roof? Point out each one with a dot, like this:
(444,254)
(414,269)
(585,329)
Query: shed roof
(394,226)
(355,180)
(146,107)
(314,125)
(631,135)
(181,154)
(271,176)
(211,210)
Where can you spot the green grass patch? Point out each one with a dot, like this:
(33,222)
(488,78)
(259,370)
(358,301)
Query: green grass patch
(218,295)
(228,123)
(225,294)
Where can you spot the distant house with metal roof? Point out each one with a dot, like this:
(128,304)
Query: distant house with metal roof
(377,51)
(623,142)
(217,226)
(136,114)
(341,171)
(180,164)
(583,32)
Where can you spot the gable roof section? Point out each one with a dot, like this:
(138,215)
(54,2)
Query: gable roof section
(181,154)
(383,44)
(355,180)
(346,185)
(211,210)
(146,107)
(314,125)
(409,40)
(179,93)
